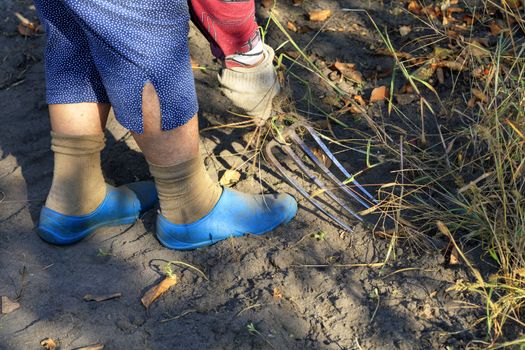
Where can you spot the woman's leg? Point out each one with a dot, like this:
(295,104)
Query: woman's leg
(186,192)
(79,118)
(77,139)
(196,211)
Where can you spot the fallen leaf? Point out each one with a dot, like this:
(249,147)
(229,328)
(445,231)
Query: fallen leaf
(469,20)
(8,305)
(334,76)
(99,298)
(414,7)
(495,29)
(277,294)
(91,347)
(155,292)
(349,71)
(404,30)
(479,95)
(291,26)
(48,344)
(322,157)
(379,94)
(297,2)
(360,100)
(230,177)
(319,15)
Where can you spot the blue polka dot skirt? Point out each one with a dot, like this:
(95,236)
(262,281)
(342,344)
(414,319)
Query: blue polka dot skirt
(106,50)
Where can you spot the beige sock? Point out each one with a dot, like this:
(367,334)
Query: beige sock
(78,185)
(186,192)
(252,89)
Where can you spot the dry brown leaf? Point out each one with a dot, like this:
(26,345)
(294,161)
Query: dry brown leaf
(414,7)
(452,10)
(404,30)
(155,292)
(379,94)
(360,100)
(277,294)
(452,34)
(479,95)
(322,157)
(291,26)
(469,20)
(48,344)
(8,305)
(319,15)
(230,177)
(335,76)
(495,29)
(99,298)
(349,71)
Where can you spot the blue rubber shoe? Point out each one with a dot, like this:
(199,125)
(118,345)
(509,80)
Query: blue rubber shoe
(234,215)
(121,206)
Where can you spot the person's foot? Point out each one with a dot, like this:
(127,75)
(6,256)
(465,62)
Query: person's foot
(121,206)
(234,215)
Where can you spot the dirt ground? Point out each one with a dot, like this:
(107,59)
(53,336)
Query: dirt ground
(404,305)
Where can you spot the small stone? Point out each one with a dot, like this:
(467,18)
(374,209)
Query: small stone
(9,305)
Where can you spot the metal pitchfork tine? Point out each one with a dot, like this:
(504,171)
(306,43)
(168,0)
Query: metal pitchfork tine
(291,134)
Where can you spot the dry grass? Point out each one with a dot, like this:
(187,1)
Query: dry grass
(468,169)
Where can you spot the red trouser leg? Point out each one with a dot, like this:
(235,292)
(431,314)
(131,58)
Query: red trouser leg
(229,25)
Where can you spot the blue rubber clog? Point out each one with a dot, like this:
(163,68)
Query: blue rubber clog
(234,215)
(121,206)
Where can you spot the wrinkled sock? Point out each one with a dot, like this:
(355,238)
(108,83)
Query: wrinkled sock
(252,89)
(186,192)
(78,186)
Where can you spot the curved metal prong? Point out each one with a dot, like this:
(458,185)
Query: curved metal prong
(336,161)
(271,158)
(323,167)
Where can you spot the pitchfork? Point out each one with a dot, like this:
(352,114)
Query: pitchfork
(289,138)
